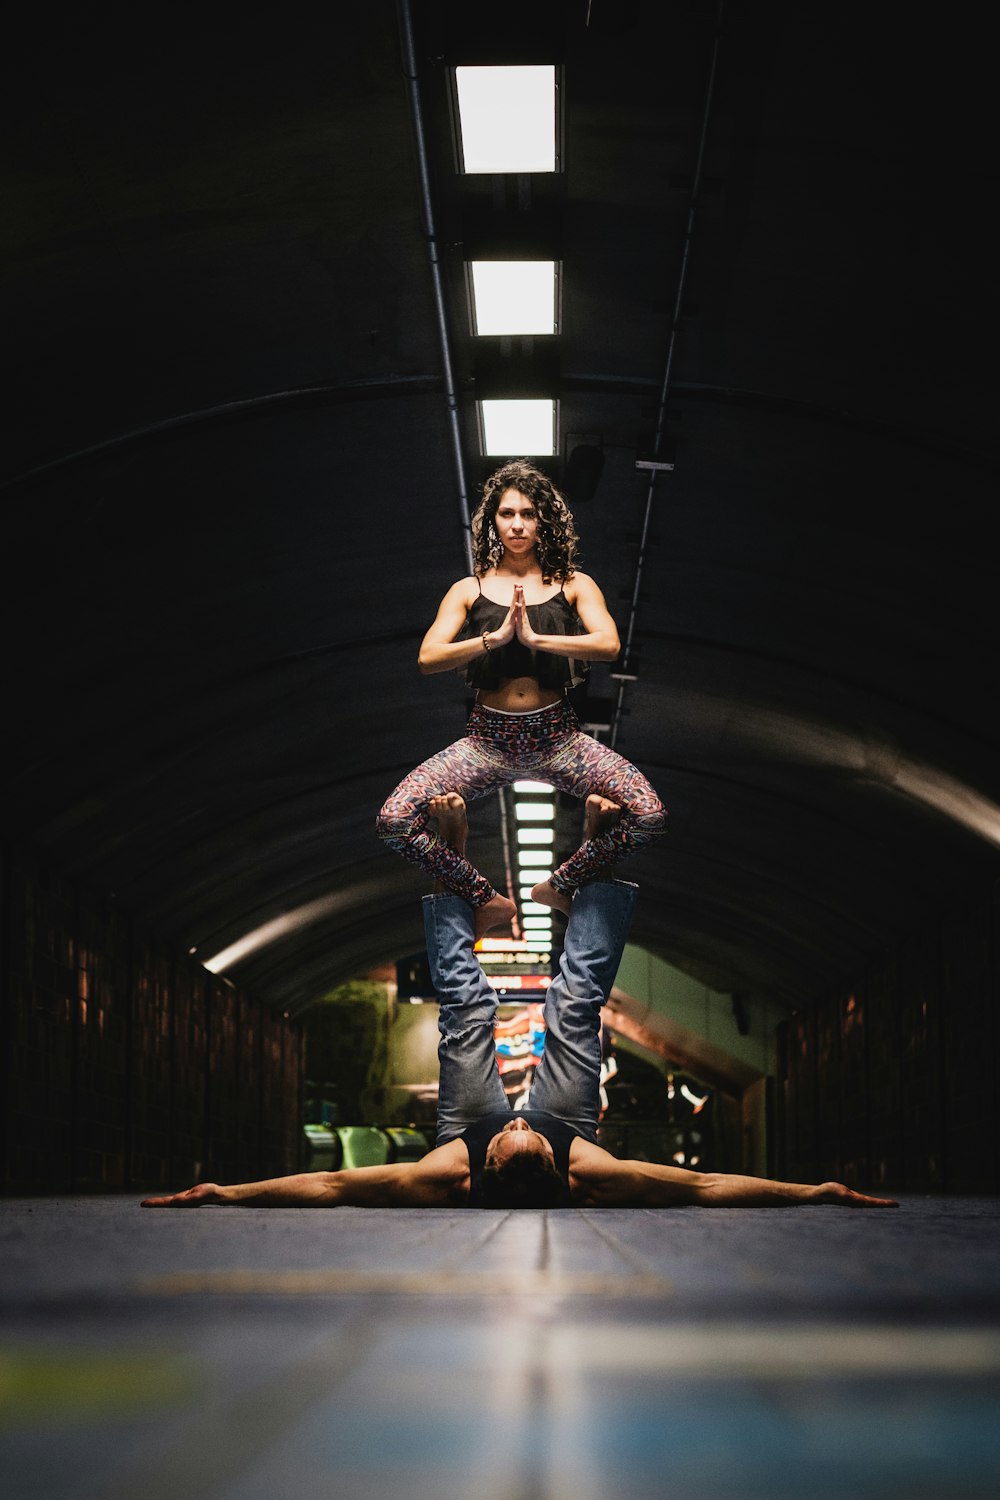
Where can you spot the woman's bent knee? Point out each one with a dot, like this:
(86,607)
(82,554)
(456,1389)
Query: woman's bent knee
(656,821)
(394,827)
(646,822)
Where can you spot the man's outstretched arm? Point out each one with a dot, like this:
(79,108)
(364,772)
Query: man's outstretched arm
(436,1181)
(602,1181)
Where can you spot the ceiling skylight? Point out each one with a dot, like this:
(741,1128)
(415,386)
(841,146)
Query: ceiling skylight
(514,296)
(507,118)
(518,427)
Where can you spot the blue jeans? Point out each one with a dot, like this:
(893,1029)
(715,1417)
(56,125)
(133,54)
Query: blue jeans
(567,1080)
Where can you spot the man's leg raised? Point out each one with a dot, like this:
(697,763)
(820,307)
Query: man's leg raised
(567,1082)
(470,1084)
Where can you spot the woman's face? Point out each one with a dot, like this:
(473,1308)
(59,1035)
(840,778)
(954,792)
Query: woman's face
(516,522)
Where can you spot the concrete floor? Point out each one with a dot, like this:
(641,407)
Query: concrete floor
(224,1353)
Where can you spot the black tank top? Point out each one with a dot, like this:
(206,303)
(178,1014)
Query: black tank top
(559,1135)
(555,617)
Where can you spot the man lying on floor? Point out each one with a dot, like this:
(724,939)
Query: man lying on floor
(546,1156)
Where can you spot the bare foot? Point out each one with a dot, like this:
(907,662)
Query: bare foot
(448,811)
(599,814)
(546,894)
(497,912)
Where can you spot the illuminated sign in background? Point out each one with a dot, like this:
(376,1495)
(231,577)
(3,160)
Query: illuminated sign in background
(516,967)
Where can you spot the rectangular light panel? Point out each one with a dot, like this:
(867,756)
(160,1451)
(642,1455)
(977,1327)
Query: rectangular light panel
(507,118)
(514,296)
(536,835)
(518,427)
(534,812)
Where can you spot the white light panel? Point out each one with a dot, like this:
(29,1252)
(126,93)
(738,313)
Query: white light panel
(514,296)
(534,812)
(507,118)
(521,427)
(536,835)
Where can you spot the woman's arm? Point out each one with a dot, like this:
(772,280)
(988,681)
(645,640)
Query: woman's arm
(600,643)
(602,1181)
(439,650)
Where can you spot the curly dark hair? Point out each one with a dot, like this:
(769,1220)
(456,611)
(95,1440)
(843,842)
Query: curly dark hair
(557,538)
(525,1180)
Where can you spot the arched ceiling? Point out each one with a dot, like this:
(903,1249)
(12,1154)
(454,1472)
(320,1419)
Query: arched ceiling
(231,497)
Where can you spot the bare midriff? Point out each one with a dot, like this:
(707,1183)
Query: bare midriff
(518,695)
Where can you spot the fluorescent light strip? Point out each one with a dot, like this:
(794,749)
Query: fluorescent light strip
(521,427)
(533,786)
(514,296)
(507,118)
(536,835)
(530,860)
(534,812)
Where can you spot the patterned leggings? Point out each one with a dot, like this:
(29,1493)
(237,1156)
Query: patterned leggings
(500,748)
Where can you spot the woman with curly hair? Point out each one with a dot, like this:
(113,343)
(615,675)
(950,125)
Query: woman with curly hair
(523,627)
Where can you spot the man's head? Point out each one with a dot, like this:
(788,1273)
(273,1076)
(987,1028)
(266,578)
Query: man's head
(520,1170)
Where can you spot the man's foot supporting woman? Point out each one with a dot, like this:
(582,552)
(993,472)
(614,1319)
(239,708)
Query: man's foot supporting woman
(448,811)
(599,816)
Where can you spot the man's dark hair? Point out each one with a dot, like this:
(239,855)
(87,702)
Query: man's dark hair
(525,1180)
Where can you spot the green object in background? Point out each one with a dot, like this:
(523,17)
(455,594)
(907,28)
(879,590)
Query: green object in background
(322,1148)
(331,1147)
(408,1144)
(363,1145)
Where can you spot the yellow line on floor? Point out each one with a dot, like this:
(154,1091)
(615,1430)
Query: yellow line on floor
(404,1283)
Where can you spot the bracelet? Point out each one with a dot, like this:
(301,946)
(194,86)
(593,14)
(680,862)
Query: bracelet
(486,645)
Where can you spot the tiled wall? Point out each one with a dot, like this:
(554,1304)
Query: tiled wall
(125,1065)
(896,1082)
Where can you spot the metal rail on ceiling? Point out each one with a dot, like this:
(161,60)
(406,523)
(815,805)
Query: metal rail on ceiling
(431,240)
(627,674)
(410,72)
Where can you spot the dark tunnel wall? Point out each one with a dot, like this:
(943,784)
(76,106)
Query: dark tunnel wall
(895,1081)
(126,1065)
(129,1066)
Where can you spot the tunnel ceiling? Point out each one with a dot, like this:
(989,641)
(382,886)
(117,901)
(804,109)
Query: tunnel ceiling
(232,501)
